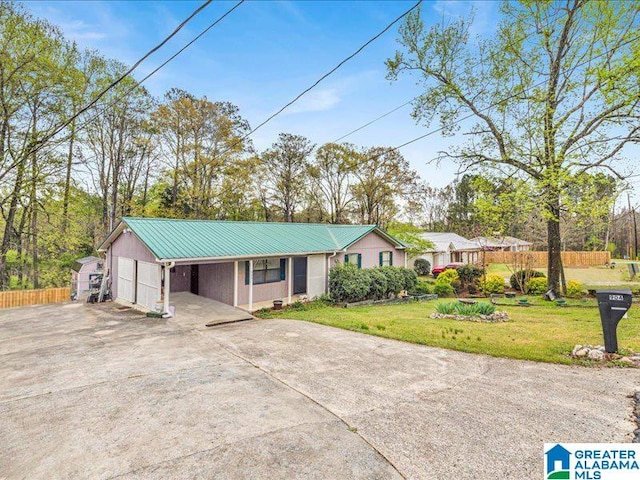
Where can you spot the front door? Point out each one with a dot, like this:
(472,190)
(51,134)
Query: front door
(299,275)
(194,279)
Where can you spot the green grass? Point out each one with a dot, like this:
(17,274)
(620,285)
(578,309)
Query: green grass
(591,277)
(544,333)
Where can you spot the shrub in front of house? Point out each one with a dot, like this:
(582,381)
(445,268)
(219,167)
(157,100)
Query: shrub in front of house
(421,288)
(443,289)
(469,274)
(448,276)
(395,280)
(348,283)
(451,278)
(422,266)
(378,281)
(493,284)
(574,289)
(519,279)
(409,277)
(537,286)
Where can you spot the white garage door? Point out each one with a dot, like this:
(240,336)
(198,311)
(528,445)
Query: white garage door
(148,285)
(316,265)
(126,279)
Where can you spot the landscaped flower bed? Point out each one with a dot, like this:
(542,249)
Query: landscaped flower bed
(473,312)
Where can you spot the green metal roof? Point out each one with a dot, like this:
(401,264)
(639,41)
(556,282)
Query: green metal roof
(171,239)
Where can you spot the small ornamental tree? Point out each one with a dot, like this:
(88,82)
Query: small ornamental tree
(422,266)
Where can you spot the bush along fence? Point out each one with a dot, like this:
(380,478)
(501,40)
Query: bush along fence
(22,298)
(539,259)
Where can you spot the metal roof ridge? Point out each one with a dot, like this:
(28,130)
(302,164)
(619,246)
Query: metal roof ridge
(333,237)
(249,222)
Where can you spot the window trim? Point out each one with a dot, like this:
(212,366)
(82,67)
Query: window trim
(282,271)
(359,258)
(381,260)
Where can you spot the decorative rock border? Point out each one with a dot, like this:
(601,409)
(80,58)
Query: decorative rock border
(493,318)
(598,354)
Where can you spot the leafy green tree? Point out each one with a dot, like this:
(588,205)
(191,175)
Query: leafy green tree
(285,172)
(383,178)
(554,93)
(331,172)
(412,237)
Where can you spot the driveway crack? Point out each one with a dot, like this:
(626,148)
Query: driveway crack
(350,427)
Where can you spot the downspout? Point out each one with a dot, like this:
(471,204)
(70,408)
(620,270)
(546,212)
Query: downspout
(329,267)
(167,287)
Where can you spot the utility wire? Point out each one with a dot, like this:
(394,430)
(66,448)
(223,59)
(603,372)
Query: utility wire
(403,105)
(323,77)
(66,123)
(153,72)
(374,120)
(494,104)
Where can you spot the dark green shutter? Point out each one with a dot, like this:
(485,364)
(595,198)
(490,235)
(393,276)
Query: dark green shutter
(359,260)
(391,258)
(346,258)
(380,257)
(283,268)
(246,273)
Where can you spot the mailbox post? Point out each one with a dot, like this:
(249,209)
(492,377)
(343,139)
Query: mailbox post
(613,304)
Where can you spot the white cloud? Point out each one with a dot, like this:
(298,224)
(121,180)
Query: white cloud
(81,31)
(316,101)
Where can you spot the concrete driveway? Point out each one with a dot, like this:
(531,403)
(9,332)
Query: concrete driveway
(92,392)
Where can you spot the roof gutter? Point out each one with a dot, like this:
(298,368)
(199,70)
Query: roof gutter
(242,257)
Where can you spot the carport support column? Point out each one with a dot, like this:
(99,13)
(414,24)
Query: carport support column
(250,285)
(235,283)
(290,278)
(167,286)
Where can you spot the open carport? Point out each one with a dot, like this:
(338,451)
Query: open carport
(198,312)
(96,392)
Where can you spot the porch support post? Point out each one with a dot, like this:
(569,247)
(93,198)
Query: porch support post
(250,285)
(290,278)
(405,258)
(235,283)
(167,286)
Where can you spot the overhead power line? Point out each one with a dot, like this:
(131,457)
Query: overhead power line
(402,106)
(159,67)
(119,79)
(498,102)
(323,77)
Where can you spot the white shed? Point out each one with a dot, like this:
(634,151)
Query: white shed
(80,274)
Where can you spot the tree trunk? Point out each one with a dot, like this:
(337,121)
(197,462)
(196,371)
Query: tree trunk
(67,181)
(554,259)
(9,226)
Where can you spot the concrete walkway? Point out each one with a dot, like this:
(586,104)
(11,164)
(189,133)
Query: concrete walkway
(93,392)
(196,311)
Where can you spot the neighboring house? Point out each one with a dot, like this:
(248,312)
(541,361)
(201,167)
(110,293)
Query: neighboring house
(449,247)
(80,274)
(237,263)
(503,244)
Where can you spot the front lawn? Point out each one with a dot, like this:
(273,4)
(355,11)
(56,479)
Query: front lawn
(594,277)
(542,333)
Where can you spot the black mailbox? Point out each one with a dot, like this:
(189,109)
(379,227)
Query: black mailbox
(613,305)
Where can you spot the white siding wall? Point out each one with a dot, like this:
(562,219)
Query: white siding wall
(148,285)
(126,279)
(316,271)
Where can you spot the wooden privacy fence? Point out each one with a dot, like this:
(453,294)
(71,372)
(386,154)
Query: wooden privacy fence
(21,298)
(539,259)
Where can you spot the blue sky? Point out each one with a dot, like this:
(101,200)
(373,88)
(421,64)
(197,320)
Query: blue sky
(266,52)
